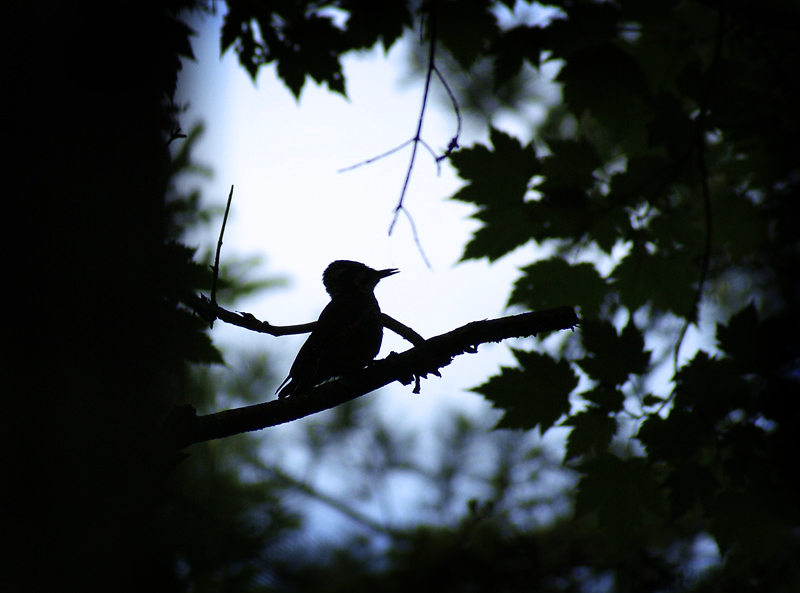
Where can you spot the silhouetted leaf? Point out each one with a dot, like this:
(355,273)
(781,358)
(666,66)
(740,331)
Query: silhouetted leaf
(663,279)
(608,225)
(513,47)
(571,163)
(454,19)
(589,25)
(372,21)
(711,387)
(498,177)
(503,231)
(592,432)
(302,43)
(497,183)
(681,437)
(644,177)
(652,400)
(553,282)
(535,394)
(609,84)
(737,338)
(673,130)
(310,47)
(737,225)
(608,400)
(610,357)
(682,230)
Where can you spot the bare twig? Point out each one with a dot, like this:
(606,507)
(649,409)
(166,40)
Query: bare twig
(425,93)
(184,427)
(436,159)
(453,144)
(209,311)
(175,134)
(417,140)
(417,242)
(215,267)
(377,158)
(203,306)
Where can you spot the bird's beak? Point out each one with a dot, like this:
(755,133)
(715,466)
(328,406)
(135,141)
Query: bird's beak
(385,273)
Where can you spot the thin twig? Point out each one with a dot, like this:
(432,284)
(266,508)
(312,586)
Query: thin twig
(207,310)
(436,159)
(415,235)
(377,158)
(175,134)
(215,267)
(706,191)
(453,144)
(203,306)
(418,135)
(417,139)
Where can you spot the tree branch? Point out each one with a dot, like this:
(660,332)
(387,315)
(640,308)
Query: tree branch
(421,119)
(417,140)
(208,310)
(215,267)
(184,427)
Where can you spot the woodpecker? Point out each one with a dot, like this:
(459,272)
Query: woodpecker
(349,330)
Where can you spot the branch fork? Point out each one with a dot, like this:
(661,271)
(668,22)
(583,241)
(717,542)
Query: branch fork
(184,427)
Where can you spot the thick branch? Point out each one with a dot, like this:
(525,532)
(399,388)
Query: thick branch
(184,427)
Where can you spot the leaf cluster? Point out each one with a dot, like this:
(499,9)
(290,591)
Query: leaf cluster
(308,39)
(665,195)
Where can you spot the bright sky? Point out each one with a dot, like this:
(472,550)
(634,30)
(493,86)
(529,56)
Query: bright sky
(294,209)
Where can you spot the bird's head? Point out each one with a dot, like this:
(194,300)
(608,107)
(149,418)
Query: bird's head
(343,276)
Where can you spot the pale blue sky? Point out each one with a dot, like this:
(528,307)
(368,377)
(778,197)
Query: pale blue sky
(292,207)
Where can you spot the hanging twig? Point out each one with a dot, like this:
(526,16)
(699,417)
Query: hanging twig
(453,144)
(425,93)
(417,139)
(414,234)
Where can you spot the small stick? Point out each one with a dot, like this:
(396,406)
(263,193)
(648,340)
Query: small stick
(215,267)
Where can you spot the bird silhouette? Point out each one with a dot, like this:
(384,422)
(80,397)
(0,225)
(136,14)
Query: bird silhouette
(349,330)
